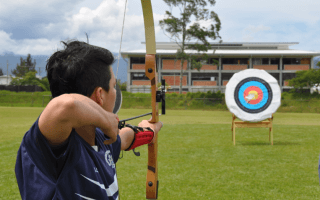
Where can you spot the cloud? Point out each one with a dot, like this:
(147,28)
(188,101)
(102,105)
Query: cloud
(24,19)
(254,29)
(26,46)
(271,21)
(37,26)
(270,11)
(251,32)
(103,24)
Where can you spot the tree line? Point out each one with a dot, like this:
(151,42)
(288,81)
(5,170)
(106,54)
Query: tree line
(25,74)
(307,78)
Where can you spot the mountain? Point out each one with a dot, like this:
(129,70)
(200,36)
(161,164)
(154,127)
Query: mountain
(122,71)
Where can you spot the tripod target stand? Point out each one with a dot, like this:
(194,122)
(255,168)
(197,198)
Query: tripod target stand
(241,124)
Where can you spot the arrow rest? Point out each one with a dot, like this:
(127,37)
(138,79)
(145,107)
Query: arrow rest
(161,96)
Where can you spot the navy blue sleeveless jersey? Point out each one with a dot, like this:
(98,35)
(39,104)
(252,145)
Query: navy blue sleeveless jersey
(79,172)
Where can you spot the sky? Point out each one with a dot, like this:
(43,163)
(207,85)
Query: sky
(37,26)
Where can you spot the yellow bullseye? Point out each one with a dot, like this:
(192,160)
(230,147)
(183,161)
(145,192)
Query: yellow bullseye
(255,93)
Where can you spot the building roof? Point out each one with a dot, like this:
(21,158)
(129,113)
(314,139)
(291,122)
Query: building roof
(225,52)
(232,49)
(228,45)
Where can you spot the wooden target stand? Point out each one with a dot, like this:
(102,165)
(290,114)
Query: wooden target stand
(241,124)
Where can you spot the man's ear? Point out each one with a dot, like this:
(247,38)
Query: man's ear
(97,96)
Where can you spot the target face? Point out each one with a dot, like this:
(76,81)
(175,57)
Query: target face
(253,95)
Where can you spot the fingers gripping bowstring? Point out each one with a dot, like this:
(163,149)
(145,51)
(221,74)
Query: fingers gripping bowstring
(119,55)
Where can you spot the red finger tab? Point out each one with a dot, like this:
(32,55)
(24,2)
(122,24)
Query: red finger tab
(141,138)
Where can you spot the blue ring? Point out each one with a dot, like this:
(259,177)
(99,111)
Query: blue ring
(253,106)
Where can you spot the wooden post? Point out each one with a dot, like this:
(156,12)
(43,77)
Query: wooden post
(263,124)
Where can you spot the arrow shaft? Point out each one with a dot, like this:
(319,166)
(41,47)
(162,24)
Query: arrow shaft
(124,120)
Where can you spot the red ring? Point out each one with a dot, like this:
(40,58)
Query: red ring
(258,90)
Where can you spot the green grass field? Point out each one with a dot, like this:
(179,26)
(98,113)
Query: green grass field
(197,159)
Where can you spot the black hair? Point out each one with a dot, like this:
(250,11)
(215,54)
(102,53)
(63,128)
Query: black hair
(79,68)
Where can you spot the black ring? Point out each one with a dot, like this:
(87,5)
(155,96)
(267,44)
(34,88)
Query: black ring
(266,105)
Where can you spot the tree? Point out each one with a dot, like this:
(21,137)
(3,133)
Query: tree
(307,78)
(26,65)
(30,79)
(182,31)
(123,86)
(318,64)
(1,73)
(44,84)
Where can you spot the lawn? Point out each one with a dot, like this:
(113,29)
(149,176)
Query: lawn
(197,159)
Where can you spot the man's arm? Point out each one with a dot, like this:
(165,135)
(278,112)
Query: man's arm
(69,111)
(127,134)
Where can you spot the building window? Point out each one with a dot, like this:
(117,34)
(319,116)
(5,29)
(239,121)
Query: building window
(213,61)
(139,76)
(137,60)
(204,76)
(260,61)
(226,77)
(235,61)
(275,61)
(291,61)
(288,76)
(256,61)
(265,61)
(177,90)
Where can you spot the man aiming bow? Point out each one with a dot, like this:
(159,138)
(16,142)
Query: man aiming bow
(71,150)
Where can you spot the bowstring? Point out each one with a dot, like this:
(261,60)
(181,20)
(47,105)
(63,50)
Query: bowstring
(119,55)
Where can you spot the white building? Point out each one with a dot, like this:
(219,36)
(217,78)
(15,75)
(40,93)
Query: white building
(274,57)
(5,80)
(315,89)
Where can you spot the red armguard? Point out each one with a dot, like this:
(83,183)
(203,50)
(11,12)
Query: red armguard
(141,138)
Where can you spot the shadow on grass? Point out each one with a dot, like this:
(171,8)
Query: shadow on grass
(275,143)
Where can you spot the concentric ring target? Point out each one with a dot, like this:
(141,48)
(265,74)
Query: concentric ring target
(253,95)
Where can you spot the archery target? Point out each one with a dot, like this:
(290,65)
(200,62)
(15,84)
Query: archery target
(253,95)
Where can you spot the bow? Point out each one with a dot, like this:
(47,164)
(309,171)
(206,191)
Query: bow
(150,71)
(156,96)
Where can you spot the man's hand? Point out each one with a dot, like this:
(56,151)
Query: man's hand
(154,126)
(112,129)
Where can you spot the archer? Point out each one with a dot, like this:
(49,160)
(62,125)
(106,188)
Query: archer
(71,150)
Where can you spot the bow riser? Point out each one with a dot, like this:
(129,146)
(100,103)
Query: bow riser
(152,174)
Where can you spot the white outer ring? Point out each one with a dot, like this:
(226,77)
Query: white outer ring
(252,117)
